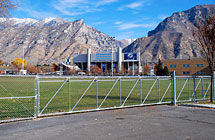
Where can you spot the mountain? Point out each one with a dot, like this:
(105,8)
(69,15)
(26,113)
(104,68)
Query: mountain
(127,42)
(173,36)
(49,40)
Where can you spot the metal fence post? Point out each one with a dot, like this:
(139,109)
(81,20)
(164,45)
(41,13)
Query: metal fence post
(194,85)
(189,88)
(174,89)
(35,99)
(202,87)
(120,91)
(97,103)
(214,84)
(36,107)
(38,95)
(141,91)
(158,89)
(69,96)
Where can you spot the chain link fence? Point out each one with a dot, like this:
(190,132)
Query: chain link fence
(25,97)
(74,94)
(193,88)
(17,97)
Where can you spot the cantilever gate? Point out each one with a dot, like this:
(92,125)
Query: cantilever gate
(58,95)
(27,97)
(192,88)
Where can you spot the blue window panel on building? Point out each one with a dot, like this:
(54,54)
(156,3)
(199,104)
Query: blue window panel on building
(107,56)
(200,73)
(104,57)
(172,66)
(186,65)
(199,65)
(186,72)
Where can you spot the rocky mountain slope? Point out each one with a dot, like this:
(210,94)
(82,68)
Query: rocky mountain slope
(173,36)
(127,42)
(49,40)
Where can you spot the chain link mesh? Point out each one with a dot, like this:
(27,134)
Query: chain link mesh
(69,94)
(16,97)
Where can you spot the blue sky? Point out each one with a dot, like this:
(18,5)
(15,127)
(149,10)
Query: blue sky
(118,18)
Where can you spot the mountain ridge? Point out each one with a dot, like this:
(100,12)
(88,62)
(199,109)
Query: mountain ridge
(54,39)
(173,36)
(49,40)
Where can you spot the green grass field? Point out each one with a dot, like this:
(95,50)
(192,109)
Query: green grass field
(25,86)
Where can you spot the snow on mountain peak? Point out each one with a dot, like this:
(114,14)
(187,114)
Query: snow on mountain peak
(51,21)
(25,21)
(19,21)
(47,20)
(129,41)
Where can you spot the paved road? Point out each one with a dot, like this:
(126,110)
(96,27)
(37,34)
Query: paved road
(143,123)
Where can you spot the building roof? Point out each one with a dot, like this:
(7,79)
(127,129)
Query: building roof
(81,58)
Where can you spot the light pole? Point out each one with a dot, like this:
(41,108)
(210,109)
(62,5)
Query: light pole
(23,53)
(112,60)
(112,39)
(133,60)
(133,64)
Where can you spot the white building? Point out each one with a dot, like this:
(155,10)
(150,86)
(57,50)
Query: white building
(126,62)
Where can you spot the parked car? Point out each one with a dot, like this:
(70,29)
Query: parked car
(81,73)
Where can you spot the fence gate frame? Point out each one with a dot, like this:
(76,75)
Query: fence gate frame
(38,95)
(118,79)
(140,79)
(137,81)
(32,115)
(192,96)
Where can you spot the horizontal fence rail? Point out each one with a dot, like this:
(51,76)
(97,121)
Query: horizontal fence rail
(17,97)
(27,97)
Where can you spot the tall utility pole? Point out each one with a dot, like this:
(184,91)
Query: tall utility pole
(23,53)
(133,64)
(133,60)
(214,84)
(112,60)
(112,39)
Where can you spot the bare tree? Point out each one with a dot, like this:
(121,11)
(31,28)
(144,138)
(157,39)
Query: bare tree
(5,6)
(146,70)
(205,37)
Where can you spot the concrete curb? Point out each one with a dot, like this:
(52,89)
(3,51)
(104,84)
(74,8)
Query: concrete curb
(212,106)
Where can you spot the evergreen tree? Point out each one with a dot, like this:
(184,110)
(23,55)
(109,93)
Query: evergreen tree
(159,69)
(165,71)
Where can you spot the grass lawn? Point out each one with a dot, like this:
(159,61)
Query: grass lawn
(64,102)
(16,87)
